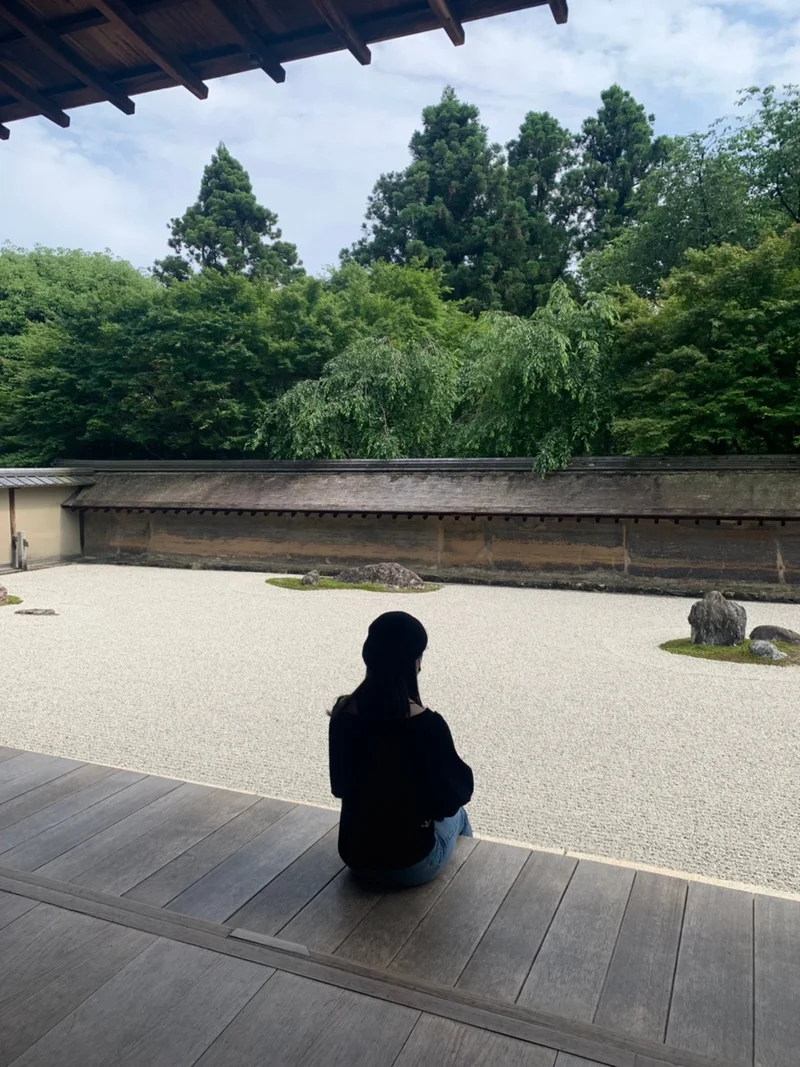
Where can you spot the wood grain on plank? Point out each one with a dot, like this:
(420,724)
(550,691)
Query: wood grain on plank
(24,763)
(777,982)
(569,971)
(286,895)
(12,906)
(503,959)
(173,878)
(71,864)
(128,866)
(230,885)
(385,929)
(277,1026)
(52,961)
(446,938)
(331,915)
(49,769)
(61,810)
(12,811)
(712,998)
(65,835)
(186,1031)
(638,989)
(128,1010)
(361,1032)
(449,1044)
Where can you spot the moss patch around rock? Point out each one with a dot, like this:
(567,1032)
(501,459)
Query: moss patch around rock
(733,653)
(9,600)
(331,583)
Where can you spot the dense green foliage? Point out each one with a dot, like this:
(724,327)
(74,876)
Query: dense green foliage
(227,230)
(610,290)
(715,367)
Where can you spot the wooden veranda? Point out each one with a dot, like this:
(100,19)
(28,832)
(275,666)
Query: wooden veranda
(146,921)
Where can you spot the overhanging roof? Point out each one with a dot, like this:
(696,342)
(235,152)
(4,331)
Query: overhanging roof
(767,488)
(33,477)
(58,54)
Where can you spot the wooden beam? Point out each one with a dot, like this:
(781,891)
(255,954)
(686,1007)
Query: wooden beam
(560,9)
(23,20)
(452,27)
(344,30)
(32,96)
(118,13)
(5,133)
(250,39)
(86,20)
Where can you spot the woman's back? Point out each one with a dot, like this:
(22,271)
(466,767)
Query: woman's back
(395,777)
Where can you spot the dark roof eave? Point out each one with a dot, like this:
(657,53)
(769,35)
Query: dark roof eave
(74,504)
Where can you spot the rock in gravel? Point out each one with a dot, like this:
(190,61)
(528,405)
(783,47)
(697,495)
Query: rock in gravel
(775,633)
(766,650)
(3,594)
(36,611)
(391,574)
(717,621)
(311,578)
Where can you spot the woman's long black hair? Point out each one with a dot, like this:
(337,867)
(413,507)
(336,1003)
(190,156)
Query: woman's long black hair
(395,641)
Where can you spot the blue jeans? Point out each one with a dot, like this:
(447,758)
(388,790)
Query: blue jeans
(445,833)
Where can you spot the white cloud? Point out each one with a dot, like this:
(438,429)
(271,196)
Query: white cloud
(315,145)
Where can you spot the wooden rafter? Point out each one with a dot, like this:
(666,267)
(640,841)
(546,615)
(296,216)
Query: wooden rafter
(17,87)
(560,9)
(118,12)
(344,29)
(443,10)
(23,20)
(251,39)
(86,20)
(5,133)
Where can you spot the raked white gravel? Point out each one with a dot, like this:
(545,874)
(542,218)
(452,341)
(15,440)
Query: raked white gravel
(583,735)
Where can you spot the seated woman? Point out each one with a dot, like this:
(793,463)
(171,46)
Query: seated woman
(394,766)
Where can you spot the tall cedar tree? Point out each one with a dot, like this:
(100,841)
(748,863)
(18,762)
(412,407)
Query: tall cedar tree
(537,161)
(446,209)
(617,149)
(227,230)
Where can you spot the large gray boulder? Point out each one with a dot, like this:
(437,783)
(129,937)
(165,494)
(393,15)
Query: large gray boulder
(775,633)
(717,621)
(310,578)
(391,574)
(766,650)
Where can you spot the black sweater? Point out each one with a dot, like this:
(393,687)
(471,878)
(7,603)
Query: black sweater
(394,779)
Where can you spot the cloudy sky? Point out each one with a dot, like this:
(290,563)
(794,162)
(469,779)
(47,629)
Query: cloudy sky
(315,145)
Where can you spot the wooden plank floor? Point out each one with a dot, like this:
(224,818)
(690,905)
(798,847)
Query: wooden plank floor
(83,991)
(709,971)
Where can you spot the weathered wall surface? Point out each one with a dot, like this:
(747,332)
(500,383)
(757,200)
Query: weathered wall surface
(5,529)
(52,532)
(759,559)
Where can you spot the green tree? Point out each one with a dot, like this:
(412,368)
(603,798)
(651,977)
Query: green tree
(445,210)
(715,366)
(538,386)
(50,302)
(767,139)
(697,197)
(616,150)
(376,400)
(538,253)
(227,230)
